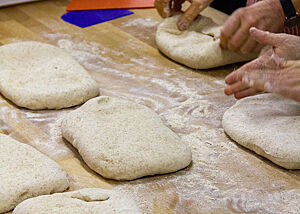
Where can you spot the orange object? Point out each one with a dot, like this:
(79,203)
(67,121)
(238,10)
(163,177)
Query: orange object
(109,4)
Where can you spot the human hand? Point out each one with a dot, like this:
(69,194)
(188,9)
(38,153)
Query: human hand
(283,80)
(265,15)
(238,82)
(167,8)
(281,47)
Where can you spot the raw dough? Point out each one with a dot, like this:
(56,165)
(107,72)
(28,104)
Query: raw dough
(123,140)
(26,173)
(269,125)
(197,47)
(84,201)
(40,76)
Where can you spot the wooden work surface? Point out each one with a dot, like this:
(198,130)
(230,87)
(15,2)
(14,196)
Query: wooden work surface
(122,57)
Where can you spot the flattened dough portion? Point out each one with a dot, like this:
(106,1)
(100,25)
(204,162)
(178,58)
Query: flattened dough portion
(197,47)
(83,201)
(40,76)
(123,140)
(26,173)
(268,125)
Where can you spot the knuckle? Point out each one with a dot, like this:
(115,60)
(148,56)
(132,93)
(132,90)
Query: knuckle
(239,12)
(250,20)
(197,3)
(246,17)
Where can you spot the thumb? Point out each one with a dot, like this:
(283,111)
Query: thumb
(265,37)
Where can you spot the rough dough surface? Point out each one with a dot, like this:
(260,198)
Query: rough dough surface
(197,47)
(268,125)
(26,173)
(123,140)
(41,76)
(83,201)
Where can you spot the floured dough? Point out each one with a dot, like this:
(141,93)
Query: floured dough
(40,76)
(84,201)
(26,173)
(123,140)
(269,125)
(197,47)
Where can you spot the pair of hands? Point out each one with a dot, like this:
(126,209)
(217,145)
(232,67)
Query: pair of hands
(276,70)
(265,15)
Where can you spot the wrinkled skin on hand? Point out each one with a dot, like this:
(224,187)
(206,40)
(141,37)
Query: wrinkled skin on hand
(167,8)
(283,80)
(283,45)
(277,70)
(265,15)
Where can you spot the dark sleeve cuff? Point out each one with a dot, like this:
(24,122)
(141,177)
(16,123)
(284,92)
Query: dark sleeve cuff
(288,8)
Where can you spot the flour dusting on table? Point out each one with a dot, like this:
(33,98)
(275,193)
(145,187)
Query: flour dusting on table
(144,22)
(221,178)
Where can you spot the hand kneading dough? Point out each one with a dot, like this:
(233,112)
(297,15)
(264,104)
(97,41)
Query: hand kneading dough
(197,47)
(123,140)
(84,201)
(26,173)
(269,125)
(40,76)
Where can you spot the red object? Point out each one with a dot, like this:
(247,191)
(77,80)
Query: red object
(109,4)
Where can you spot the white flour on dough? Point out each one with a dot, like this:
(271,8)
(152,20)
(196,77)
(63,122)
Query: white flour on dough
(35,75)
(268,125)
(123,140)
(26,173)
(197,47)
(89,201)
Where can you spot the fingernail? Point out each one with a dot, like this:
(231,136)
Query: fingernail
(252,29)
(227,91)
(182,26)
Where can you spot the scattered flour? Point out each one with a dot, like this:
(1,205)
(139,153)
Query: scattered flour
(214,175)
(87,200)
(26,131)
(96,58)
(144,22)
(181,116)
(54,36)
(220,82)
(210,179)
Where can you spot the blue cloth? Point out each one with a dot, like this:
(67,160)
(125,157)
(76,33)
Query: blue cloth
(88,18)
